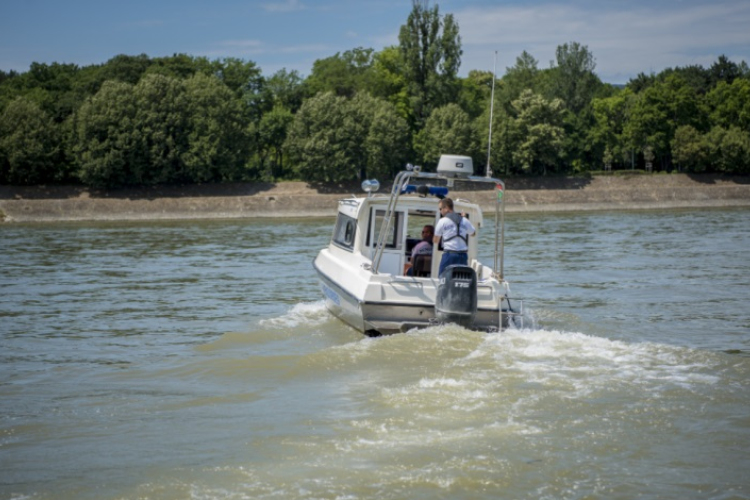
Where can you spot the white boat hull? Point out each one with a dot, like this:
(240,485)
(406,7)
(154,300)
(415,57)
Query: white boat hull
(414,309)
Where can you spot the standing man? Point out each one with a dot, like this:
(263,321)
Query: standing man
(455,231)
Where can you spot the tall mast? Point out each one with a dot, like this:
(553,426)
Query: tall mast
(488,173)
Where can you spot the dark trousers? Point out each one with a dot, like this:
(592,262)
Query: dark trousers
(453,258)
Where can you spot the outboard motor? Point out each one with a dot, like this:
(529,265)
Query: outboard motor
(456,299)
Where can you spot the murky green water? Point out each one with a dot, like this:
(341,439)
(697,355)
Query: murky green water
(195,360)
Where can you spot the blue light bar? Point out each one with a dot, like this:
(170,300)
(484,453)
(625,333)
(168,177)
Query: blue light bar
(439,191)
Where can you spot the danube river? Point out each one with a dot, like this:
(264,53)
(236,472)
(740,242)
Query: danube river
(179,360)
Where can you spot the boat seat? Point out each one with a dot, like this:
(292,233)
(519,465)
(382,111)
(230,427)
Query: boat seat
(422,265)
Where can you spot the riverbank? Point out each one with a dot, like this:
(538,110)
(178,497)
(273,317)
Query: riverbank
(300,199)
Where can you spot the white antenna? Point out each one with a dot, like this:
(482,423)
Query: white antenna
(492,107)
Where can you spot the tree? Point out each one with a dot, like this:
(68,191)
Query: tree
(538,131)
(272,133)
(641,82)
(125,68)
(574,81)
(286,89)
(448,130)
(723,70)
(106,144)
(729,150)
(523,75)
(335,139)
(608,132)
(317,140)
(688,149)
(344,74)
(474,95)
(216,145)
(697,77)
(161,121)
(431,50)
(181,66)
(29,144)
(388,142)
(388,80)
(730,104)
(658,111)
(238,75)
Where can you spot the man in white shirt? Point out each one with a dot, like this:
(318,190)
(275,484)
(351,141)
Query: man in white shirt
(455,231)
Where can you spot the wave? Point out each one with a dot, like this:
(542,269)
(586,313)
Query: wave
(303,313)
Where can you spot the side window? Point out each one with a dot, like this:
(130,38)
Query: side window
(346,229)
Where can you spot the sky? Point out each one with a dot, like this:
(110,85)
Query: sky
(625,37)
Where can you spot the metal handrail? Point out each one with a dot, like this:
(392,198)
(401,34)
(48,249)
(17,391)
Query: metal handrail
(401,180)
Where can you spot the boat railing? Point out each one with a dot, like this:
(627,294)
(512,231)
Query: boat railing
(515,312)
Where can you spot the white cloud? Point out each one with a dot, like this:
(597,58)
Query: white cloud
(625,39)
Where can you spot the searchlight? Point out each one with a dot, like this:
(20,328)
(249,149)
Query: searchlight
(370,186)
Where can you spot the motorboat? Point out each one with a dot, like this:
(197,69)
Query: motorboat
(366,275)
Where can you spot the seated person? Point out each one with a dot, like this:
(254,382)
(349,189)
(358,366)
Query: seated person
(424,247)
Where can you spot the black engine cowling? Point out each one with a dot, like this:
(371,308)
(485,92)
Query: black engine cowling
(456,299)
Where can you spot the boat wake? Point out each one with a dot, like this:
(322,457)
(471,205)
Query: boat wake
(303,313)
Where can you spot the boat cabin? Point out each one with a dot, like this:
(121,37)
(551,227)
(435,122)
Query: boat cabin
(360,222)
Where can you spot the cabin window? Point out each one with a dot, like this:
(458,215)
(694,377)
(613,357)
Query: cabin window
(346,229)
(392,239)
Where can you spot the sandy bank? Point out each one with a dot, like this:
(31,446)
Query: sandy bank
(299,199)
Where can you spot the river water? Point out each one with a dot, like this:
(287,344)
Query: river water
(178,360)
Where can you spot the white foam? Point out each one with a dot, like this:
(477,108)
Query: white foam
(303,313)
(589,362)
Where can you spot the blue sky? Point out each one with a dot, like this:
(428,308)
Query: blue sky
(625,37)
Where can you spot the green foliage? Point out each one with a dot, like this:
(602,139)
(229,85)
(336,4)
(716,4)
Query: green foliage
(729,150)
(538,131)
(389,80)
(238,75)
(272,133)
(335,139)
(689,149)
(448,130)
(160,130)
(343,74)
(318,140)
(160,119)
(474,95)
(574,80)
(658,111)
(216,143)
(105,146)
(608,131)
(730,104)
(29,144)
(286,89)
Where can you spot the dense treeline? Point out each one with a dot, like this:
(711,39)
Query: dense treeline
(137,120)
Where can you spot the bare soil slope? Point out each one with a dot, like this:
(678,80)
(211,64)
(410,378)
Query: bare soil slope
(300,199)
